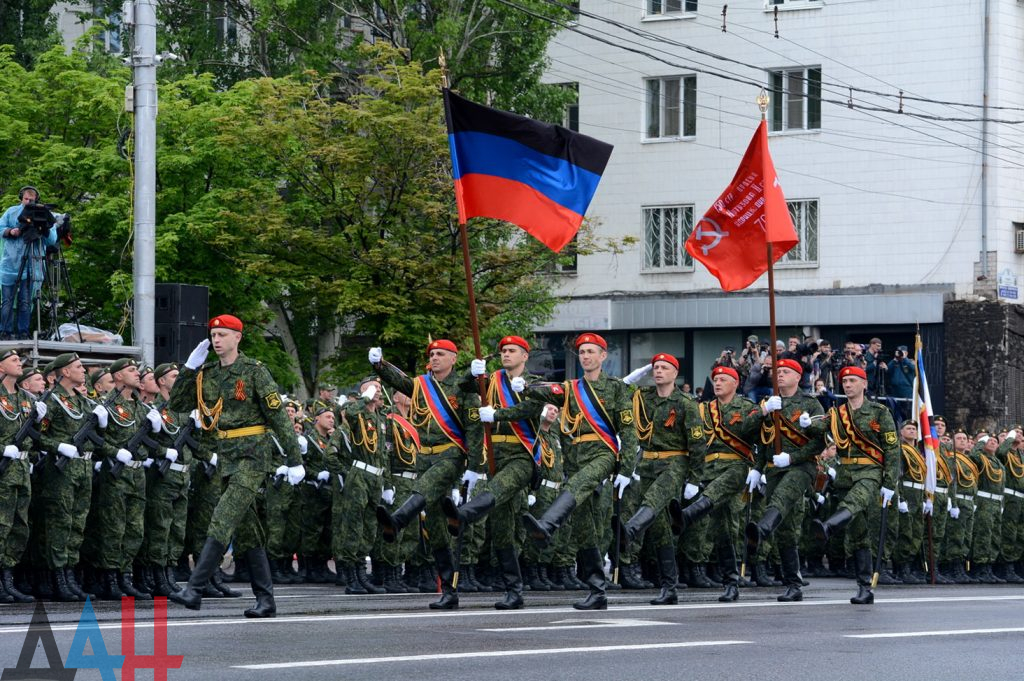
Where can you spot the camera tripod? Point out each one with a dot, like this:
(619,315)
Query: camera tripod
(48,293)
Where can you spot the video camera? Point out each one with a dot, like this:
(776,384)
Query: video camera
(36,221)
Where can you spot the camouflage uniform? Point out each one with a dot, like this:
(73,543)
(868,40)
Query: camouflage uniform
(988,512)
(401,448)
(15,486)
(959,530)
(907,550)
(315,516)
(1012,540)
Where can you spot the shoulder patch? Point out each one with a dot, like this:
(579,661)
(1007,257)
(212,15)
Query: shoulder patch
(697,433)
(474,414)
(273,401)
(626,416)
(890,437)
(557,389)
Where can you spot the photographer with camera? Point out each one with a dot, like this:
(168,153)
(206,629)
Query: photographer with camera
(875,367)
(27,230)
(901,380)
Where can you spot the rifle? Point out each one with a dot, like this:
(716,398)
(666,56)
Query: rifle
(139,438)
(183,439)
(746,544)
(87,432)
(881,544)
(458,544)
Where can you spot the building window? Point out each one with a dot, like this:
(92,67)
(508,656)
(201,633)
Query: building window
(110,39)
(804,214)
(666,229)
(671,107)
(796,99)
(670,7)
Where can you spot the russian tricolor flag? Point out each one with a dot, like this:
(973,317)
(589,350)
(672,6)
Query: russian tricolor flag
(540,177)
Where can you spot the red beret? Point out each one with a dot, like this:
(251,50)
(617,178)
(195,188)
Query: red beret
(442,344)
(728,371)
(791,364)
(665,357)
(514,340)
(593,338)
(852,371)
(226,321)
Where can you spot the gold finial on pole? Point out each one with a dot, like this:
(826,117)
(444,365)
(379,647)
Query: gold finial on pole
(443,63)
(762,103)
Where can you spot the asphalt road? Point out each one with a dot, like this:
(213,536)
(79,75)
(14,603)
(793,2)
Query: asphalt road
(910,633)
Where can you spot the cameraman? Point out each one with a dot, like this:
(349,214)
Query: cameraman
(901,380)
(875,367)
(22,266)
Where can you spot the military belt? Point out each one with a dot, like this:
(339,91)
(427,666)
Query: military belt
(664,455)
(990,496)
(179,467)
(722,456)
(409,475)
(310,482)
(241,432)
(587,437)
(941,490)
(372,470)
(913,485)
(965,497)
(857,461)
(551,483)
(437,449)
(1013,493)
(509,439)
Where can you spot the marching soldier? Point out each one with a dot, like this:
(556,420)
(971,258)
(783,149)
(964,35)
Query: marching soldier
(868,449)
(315,496)
(447,420)
(672,438)
(596,412)
(961,511)
(911,506)
(240,405)
(945,489)
(1012,540)
(988,510)
(791,473)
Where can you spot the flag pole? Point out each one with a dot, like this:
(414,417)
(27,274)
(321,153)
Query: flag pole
(474,324)
(762,104)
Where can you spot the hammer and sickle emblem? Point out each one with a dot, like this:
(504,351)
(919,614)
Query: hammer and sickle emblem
(708,228)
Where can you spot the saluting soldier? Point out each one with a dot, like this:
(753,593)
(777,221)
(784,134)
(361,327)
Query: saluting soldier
(868,450)
(240,405)
(790,418)
(671,435)
(447,419)
(988,510)
(597,413)
(961,512)
(938,508)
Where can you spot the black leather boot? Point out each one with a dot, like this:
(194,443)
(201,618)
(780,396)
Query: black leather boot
(699,577)
(111,590)
(684,517)
(544,573)
(209,561)
(907,576)
(61,592)
(262,584)
(392,523)
(637,525)
(72,581)
(593,572)
(353,586)
(470,512)
(790,557)
(42,587)
(12,590)
(391,583)
(467,580)
(629,577)
(762,529)
(277,573)
(533,579)
(862,564)
(823,530)
(225,591)
(364,579)
(669,576)
(540,530)
(446,570)
(4,596)
(730,575)
(513,580)
(128,588)
(160,585)
(427,583)
(761,576)
(142,578)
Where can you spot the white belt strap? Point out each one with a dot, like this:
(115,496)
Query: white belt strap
(372,470)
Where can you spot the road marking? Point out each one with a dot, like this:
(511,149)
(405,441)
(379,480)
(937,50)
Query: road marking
(948,632)
(618,606)
(582,624)
(487,653)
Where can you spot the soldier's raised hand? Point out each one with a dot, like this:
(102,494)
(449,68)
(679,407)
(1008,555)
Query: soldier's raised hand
(376,355)
(198,355)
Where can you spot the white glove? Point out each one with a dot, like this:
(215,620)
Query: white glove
(370,392)
(763,485)
(531,500)
(97,466)
(456,497)
(773,403)
(194,415)
(123,455)
(282,471)
(40,411)
(341,400)
(805,420)
(296,474)
(198,356)
(621,483)
(820,498)
(147,462)
(1012,435)
(70,451)
(101,415)
(469,478)
(887,495)
(375,356)
(341,481)
(637,374)
(753,480)
(781,460)
(156,422)
(171,455)
(929,508)
(388,496)
(954,513)
(690,491)
(983,439)
(903,506)
(12,452)
(303,444)
(478,367)
(213,459)
(487,414)
(518,384)
(832,473)
(323,476)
